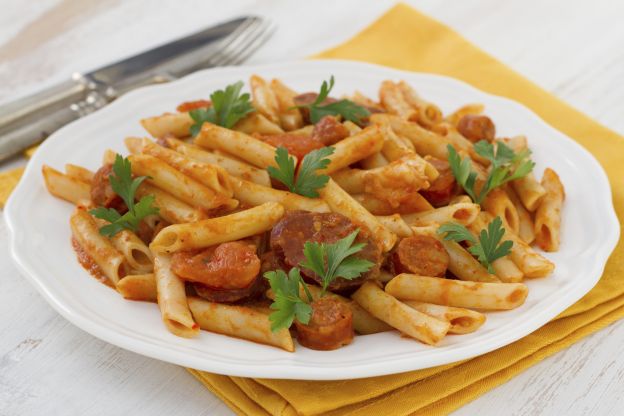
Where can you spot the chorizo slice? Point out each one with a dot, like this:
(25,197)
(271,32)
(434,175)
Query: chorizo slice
(421,255)
(308,98)
(297,227)
(102,194)
(330,326)
(329,131)
(187,106)
(297,145)
(476,127)
(444,187)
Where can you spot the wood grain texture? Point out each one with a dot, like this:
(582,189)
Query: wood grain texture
(48,366)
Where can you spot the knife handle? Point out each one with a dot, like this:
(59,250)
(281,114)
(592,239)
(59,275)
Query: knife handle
(29,120)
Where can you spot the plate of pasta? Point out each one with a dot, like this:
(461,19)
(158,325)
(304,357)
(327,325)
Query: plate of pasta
(311,220)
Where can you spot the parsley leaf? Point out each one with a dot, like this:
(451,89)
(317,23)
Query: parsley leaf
(307,181)
(488,248)
(122,183)
(345,108)
(228,106)
(330,261)
(506,166)
(288,305)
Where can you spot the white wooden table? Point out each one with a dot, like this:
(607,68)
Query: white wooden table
(47,366)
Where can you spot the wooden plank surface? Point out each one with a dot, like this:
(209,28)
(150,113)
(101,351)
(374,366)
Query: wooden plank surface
(47,366)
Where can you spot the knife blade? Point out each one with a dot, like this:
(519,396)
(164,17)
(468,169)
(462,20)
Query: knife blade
(29,120)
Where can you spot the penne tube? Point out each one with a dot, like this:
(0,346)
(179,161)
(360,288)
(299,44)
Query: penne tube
(529,190)
(463,213)
(251,194)
(178,184)
(245,147)
(341,202)
(240,322)
(138,287)
(415,202)
(548,213)
(365,101)
(396,224)
(172,301)
(469,109)
(290,117)
(217,230)
(428,113)
(304,131)
(134,144)
(65,187)
(264,99)
(504,268)
(394,147)
(462,320)
(169,207)
(99,248)
(526,229)
(384,276)
(232,166)
(79,173)
(460,199)
(257,123)
(498,203)
(176,124)
(424,141)
(351,180)
(108,158)
(394,102)
(463,265)
(400,316)
(462,144)
(458,293)
(353,149)
(352,127)
(137,255)
(376,160)
(211,176)
(528,260)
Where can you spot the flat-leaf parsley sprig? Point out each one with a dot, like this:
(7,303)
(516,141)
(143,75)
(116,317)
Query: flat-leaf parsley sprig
(228,106)
(345,108)
(329,261)
(506,166)
(125,186)
(487,248)
(306,182)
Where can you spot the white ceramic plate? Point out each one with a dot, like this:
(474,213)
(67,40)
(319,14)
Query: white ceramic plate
(40,234)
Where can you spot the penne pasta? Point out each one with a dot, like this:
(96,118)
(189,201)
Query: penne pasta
(79,173)
(169,207)
(462,320)
(257,123)
(66,187)
(414,202)
(396,224)
(264,99)
(137,255)
(353,149)
(526,227)
(393,101)
(174,124)
(469,109)
(340,201)
(290,117)
(99,248)
(232,166)
(171,298)
(457,293)
(498,203)
(548,213)
(217,230)
(374,161)
(463,213)
(529,190)
(427,113)
(240,322)
(400,316)
(251,194)
(138,287)
(245,147)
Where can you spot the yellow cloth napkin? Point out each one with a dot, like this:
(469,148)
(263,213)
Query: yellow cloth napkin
(405,39)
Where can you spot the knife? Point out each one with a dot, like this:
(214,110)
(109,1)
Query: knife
(29,120)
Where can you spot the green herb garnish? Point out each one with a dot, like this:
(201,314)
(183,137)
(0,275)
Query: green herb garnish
(122,183)
(506,166)
(487,248)
(228,106)
(345,108)
(307,181)
(288,304)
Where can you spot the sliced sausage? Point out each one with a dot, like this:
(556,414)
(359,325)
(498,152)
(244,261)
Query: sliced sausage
(291,233)
(329,131)
(476,127)
(253,291)
(193,105)
(330,326)
(232,265)
(421,255)
(297,145)
(444,187)
(102,194)
(308,98)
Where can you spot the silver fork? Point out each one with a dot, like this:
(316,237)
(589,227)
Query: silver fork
(31,119)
